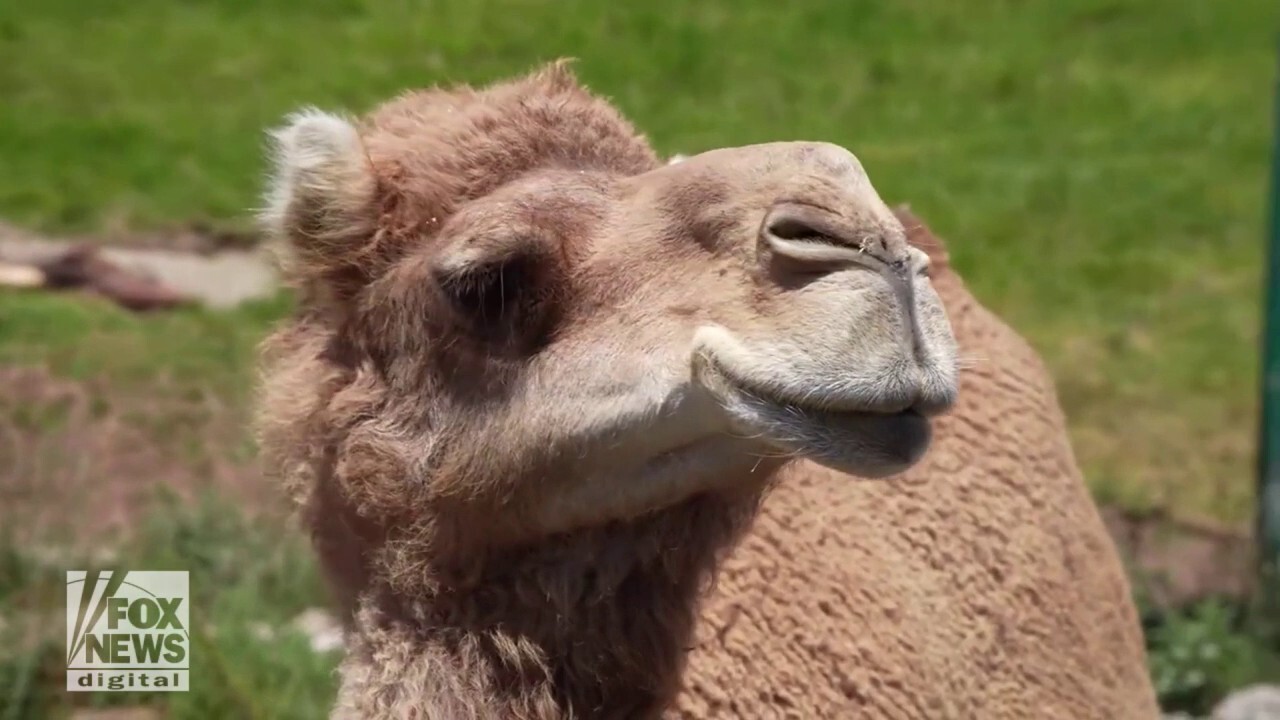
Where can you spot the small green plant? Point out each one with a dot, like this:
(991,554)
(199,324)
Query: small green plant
(1198,655)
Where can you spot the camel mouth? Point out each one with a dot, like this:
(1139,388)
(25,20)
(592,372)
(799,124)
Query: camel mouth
(866,443)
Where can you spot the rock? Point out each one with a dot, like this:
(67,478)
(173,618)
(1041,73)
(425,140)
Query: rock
(87,267)
(145,278)
(321,627)
(20,276)
(224,279)
(1256,702)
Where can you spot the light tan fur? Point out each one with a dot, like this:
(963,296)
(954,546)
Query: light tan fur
(539,383)
(979,584)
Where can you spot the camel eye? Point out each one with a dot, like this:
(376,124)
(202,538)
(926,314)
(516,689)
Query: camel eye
(504,296)
(489,291)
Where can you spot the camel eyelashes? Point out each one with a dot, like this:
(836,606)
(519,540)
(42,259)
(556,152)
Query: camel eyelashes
(485,291)
(501,301)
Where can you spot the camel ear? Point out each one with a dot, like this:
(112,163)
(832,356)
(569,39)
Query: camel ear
(320,200)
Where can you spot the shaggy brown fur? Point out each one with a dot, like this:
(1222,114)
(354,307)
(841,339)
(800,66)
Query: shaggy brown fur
(456,614)
(451,618)
(981,584)
(506,555)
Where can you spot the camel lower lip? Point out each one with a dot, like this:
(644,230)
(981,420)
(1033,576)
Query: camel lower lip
(863,443)
(869,445)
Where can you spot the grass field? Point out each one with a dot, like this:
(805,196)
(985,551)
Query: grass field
(1098,167)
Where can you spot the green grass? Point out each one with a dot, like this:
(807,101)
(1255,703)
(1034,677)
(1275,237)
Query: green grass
(1201,653)
(1098,165)
(245,574)
(80,337)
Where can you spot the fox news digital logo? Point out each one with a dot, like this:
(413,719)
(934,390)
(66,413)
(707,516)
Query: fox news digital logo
(127,631)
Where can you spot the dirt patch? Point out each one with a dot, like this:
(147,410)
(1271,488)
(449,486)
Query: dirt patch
(81,464)
(1174,562)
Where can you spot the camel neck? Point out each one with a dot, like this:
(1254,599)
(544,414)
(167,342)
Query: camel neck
(594,625)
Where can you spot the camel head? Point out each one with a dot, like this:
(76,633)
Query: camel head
(543,320)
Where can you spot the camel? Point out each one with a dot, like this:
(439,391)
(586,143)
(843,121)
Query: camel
(539,385)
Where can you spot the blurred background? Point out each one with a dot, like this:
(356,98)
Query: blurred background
(1098,167)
